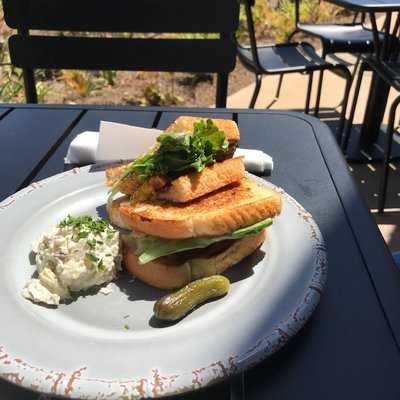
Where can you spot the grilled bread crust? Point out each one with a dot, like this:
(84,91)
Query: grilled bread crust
(167,276)
(223,211)
(191,186)
(114,215)
(185,123)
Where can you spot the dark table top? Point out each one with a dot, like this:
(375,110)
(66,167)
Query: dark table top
(350,346)
(369,5)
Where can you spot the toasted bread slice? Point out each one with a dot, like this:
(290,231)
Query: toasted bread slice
(186,187)
(185,123)
(223,211)
(164,275)
(114,215)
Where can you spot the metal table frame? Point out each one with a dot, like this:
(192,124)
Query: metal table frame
(365,145)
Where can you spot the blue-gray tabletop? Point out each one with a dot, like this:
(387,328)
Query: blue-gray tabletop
(350,347)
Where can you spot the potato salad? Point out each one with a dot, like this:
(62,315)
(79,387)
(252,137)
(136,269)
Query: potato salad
(77,254)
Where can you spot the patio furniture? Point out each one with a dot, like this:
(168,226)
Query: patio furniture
(389,71)
(142,53)
(277,59)
(385,64)
(353,38)
(366,145)
(350,346)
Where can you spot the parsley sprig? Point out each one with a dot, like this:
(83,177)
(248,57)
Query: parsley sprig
(85,225)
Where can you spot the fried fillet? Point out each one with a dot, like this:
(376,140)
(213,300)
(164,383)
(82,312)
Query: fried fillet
(223,211)
(191,186)
(185,188)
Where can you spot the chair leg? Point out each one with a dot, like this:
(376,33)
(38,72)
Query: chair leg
(347,131)
(278,89)
(353,74)
(342,121)
(289,39)
(256,91)
(386,160)
(30,86)
(309,89)
(222,90)
(355,68)
(319,90)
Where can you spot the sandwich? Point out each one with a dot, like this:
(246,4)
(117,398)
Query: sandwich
(191,158)
(198,223)
(173,244)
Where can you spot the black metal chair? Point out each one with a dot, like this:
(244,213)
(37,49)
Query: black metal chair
(390,72)
(353,38)
(386,63)
(287,58)
(142,16)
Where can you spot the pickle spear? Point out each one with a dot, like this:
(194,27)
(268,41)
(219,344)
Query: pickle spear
(176,305)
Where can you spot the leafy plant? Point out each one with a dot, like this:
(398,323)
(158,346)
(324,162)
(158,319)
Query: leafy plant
(153,96)
(11,86)
(41,90)
(109,77)
(279,22)
(10,89)
(260,17)
(81,82)
(172,99)
(195,79)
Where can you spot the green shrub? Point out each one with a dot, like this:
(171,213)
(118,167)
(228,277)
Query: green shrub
(276,24)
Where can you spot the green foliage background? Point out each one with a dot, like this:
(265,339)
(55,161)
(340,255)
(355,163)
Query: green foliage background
(272,25)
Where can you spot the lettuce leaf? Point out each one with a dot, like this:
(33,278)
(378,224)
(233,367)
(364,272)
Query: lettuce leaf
(179,153)
(150,248)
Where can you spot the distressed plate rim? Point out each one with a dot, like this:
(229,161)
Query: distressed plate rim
(218,371)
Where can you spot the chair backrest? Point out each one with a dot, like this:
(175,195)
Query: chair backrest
(248,4)
(134,16)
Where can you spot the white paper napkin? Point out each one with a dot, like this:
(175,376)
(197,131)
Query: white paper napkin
(124,142)
(256,161)
(82,149)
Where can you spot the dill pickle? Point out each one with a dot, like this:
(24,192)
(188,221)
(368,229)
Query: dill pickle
(176,305)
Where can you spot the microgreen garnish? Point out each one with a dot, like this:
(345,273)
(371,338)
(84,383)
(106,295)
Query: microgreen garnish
(92,257)
(92,243)
(84,225)
(100,266)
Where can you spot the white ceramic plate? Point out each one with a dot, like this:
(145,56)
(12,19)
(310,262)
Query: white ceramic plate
(101,346)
